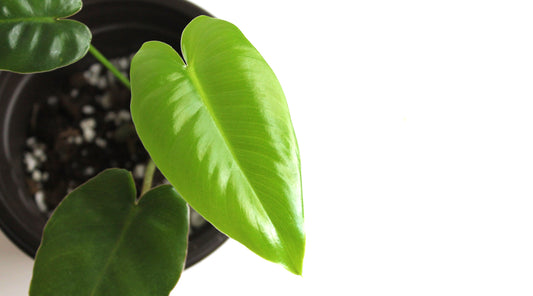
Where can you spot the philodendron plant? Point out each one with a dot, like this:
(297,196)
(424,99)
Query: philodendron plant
(215,123)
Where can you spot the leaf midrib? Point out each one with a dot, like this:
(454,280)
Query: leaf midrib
(35,19)
(129,219)
(203,96)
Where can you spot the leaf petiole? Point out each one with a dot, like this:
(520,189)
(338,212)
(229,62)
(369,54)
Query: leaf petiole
(109,66)
(148,176)
(150,166)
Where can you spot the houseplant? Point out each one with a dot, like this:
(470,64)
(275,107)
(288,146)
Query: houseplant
(217,126)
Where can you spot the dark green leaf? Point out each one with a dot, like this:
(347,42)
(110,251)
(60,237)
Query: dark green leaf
(100,241)
(34,37)
(219,129)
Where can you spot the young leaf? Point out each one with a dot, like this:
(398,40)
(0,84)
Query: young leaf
(100,241)
(218,127)
(35,38)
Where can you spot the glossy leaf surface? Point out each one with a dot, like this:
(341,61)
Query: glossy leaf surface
(34,37)
(100,241)
(218,127)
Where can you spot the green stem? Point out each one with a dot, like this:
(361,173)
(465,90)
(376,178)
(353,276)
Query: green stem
(148,176)
(109,66)
(150,166)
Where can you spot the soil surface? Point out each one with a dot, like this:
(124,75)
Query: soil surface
(81,130)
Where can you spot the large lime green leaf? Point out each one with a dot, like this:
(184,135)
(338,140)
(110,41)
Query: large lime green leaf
(34,37)
(100,241)
(218,127)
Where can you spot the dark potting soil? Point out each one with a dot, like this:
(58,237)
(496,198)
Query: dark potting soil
(81,130)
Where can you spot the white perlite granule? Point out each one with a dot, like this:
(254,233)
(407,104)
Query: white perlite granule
(102,83)
(45,176)
(122,116)
(36,157)
(87,109)
(138,171)
(31,141)
(88,126)
(52,100)
(30,161)
(118,117)
(39,200)
(74,93)
(39,154)
(37,176)
(88,171)
(92,74)
(104,100)
(102,143)
(196,219)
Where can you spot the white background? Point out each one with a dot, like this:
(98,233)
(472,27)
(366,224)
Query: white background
(415,124)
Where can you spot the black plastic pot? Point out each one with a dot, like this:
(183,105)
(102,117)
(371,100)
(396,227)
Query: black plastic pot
(119,28)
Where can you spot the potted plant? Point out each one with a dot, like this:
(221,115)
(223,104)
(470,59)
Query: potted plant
(119,28)
(217,126)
